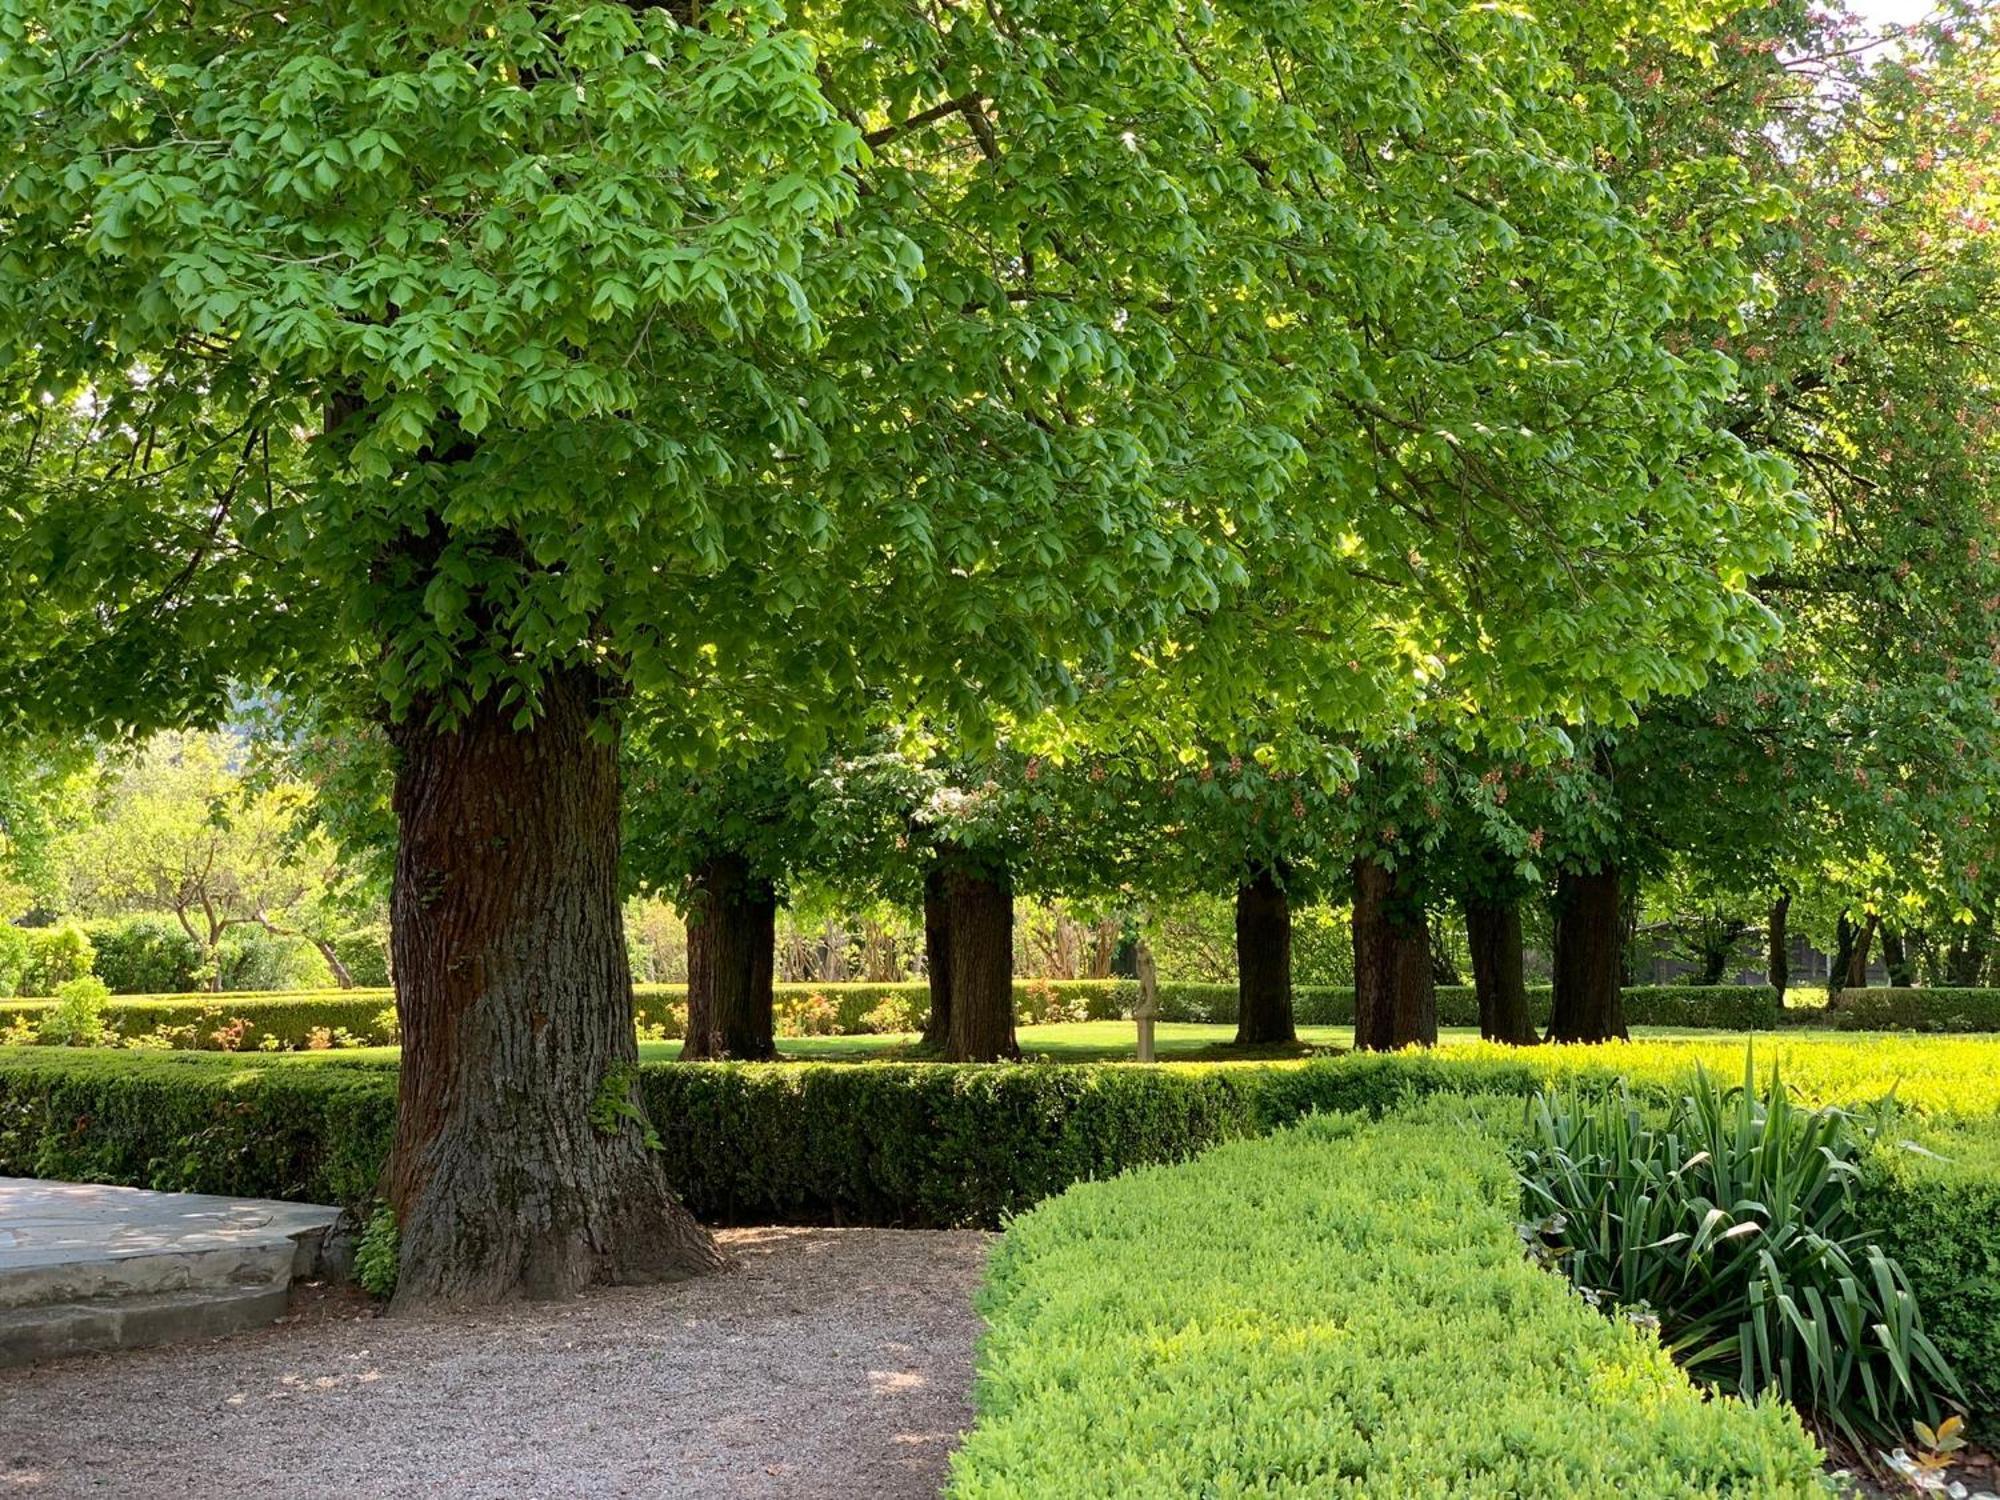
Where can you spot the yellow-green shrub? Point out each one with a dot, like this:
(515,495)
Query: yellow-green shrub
(1341,1308)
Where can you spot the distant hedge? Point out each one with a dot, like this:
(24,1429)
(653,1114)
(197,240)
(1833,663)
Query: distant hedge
(291,1016)
(1905,1010)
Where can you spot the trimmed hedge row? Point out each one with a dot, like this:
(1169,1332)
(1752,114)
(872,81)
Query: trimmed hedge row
(291,1016)
(1340,1308)
(941,1145)
(1906,1010)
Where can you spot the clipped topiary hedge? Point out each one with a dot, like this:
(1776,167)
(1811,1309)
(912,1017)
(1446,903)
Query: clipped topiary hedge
(194,1122)
(1342,1308)
(1904,1010)
(941,1145)
(207,1021)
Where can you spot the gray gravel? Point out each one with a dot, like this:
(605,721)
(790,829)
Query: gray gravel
(832,1363)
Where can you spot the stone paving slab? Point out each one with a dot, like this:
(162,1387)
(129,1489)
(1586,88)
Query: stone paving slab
(51,1223)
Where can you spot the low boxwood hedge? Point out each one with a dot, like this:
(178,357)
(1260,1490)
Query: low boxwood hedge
(1341,1308)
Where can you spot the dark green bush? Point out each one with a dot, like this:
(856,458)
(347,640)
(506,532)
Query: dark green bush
(1936,1209)
(196,1123)
(1903,1010)
(1734,1007)
(364,953)
(251,959)
(1340,1309)
(144,955)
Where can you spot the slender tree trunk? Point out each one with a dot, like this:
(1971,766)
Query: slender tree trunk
(980,903)
(1493,932)
(520,1163)
(937,959)
(732,920)
(1896,959)
(1263,962)
(1590,927)
(1395,1000)
(331,954)
(1778,945)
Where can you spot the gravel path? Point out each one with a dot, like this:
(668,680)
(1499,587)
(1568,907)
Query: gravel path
(833,1363)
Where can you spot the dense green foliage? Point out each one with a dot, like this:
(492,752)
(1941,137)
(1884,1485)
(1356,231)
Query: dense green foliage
(144,955)
(1735,1222)
(1340,1308)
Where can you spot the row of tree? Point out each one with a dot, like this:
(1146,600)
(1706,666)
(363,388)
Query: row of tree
(1347,385)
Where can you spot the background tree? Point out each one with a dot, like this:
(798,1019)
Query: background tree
(178,830)
(727,845)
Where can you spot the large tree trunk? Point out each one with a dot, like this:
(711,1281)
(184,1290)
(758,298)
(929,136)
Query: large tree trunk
(1590,928)
(1778,945)
(937,959)
(1848,969)
(979,904)
(1263,962)
(520,1163)
(732,918)
(1395,1000)
(1493,932)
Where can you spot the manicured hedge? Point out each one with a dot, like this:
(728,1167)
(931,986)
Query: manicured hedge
(291,1016)
(1904,1010)
(940,1145)
(1937,1211)
(196,1122)
(1342,1308)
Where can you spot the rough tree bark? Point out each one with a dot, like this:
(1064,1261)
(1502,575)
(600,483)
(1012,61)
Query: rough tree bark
(1263,962)
(1778,945)
(1395,999)
(937,959)
(1848,968)
(732,918)
(1965,959)
(979,903)
(1896,959)
(1493,932)
(1589,1003)
(520,1164)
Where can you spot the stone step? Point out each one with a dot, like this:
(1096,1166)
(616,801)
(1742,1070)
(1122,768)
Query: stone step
(255,1263)
(29,1335)
(85,1267)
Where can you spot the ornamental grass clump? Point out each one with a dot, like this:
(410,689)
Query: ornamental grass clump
(1734,1221)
